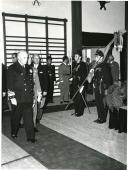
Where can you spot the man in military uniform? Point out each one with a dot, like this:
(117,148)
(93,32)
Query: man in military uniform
(102,80)
(79,75)
(20,92)
(50,69)
(64,75)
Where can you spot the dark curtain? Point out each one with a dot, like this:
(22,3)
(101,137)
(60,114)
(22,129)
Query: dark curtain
(124,53)
(76,26)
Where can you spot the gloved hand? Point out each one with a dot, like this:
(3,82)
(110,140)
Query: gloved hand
(12,98)
(11,93)
(14,101)
(71,79)
(81,89)
(44,93)
(39,96)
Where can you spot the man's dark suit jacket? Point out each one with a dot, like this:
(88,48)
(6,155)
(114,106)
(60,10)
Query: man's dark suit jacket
(103,72)
(20,81)
(50,72)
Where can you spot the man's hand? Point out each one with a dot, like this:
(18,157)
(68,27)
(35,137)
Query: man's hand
(71,79)
(44,93)
(11,93)
(4,94)
(14,101)
(81,89)
(39,96)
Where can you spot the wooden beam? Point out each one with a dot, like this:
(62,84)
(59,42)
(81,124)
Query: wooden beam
(76,26)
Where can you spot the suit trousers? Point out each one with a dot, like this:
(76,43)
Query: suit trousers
(113,119)
(79,104)
(101,109)
(64,91)
(25,110)
(50,90)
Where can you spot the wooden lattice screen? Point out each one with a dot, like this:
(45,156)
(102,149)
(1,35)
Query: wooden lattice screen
(35,34)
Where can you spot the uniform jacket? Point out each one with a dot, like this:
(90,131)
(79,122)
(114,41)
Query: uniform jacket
(50,72)
(64,72)
(102,75)
(79,74)
(20,81)
(115,71)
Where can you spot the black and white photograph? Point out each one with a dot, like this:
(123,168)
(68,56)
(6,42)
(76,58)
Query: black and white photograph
(63,84)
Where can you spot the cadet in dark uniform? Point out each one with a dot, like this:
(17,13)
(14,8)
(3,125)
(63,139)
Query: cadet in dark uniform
(79,75)
(102,80)
(51,78)
(20,92)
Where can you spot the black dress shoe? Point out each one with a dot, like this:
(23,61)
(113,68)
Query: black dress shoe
(78,115)
(97,120)
(73,114)
(36,130)
(31,140)
(13,136)
(66,101)
(100,121)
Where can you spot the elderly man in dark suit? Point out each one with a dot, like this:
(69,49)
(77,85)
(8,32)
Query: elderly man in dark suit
(20,92)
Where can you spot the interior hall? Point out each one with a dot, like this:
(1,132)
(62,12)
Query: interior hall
(64,84)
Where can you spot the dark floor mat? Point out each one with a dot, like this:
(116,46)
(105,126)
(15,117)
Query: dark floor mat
(56,151)
(61,107)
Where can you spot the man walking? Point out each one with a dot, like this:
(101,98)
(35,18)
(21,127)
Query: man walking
(20,92)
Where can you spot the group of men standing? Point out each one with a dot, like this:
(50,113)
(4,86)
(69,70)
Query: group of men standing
(30,87)
(104,75)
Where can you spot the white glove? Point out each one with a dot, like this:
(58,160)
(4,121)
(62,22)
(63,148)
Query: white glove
(14,101)
(11,93)
(70,79)
(4,94)
(39,96)
(81,89)
(44,93)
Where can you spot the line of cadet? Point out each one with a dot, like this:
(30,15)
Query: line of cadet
(30,87)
